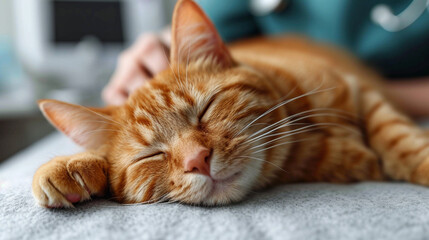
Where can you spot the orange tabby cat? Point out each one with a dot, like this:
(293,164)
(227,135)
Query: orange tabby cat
(223,121)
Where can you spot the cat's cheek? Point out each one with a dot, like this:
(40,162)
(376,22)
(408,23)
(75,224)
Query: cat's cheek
(250,174)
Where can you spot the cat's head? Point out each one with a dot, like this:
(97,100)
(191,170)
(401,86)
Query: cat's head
(191,133)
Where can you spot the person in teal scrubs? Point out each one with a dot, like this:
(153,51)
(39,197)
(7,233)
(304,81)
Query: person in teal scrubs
(344,23)
(400,53)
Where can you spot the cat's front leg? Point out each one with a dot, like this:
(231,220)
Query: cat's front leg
(70,179)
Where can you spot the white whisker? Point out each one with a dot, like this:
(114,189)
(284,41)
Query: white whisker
(100,130)
(307,129)
(294,121)
(262,160)
(287,134)
(168,62)
(315,91)
(283,143)
(103,116)
(292,116)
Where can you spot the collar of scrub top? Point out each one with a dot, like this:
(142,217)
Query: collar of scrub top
(381,14)
(265,7)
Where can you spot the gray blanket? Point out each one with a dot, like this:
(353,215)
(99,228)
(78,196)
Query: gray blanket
(299,211)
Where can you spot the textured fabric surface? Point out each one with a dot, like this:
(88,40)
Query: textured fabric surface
(298,211)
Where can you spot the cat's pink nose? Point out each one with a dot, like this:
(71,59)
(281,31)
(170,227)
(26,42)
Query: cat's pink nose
(198,161)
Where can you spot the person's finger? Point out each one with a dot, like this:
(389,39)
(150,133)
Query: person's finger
(165,36)
(147,57)
(135,83)
(126,78)
(114,96)
(155,60)
(134,76)
(151,53)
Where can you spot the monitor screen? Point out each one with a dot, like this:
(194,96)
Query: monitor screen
(74,20)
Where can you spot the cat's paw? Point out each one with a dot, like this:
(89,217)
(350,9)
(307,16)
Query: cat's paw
(420,174)
(70,179)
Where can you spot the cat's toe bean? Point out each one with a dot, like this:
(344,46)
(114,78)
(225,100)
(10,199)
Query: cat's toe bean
(73,198)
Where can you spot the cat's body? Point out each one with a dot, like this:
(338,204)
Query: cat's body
(296,66)
(213,127)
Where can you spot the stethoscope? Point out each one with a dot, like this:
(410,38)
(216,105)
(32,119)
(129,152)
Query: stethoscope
(381,14)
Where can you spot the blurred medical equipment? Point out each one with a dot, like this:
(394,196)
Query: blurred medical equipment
(73,44)
(264,7)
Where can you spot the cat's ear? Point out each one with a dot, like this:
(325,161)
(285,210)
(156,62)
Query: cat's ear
(194,36)
(88,127)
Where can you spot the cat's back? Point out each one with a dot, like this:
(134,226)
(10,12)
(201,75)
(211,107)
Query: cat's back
(292,62)
(294,54)
(296,66)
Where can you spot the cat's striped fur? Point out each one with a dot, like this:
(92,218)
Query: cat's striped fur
(271,110)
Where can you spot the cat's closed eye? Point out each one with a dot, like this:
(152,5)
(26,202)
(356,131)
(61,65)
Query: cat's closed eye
(153,156)
(206,108)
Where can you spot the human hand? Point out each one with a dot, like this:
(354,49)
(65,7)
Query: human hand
(137,65)
(410,95)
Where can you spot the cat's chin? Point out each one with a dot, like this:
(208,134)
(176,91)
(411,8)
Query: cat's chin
(232,188)
(221,185)
(224,191)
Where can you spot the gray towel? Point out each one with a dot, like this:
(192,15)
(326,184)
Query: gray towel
(298,211)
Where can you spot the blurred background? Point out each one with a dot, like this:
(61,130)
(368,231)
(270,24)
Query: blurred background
(65,50)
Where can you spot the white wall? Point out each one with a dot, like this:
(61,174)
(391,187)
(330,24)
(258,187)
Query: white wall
(6,18)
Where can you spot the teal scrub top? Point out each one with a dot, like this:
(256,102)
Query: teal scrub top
(345,23)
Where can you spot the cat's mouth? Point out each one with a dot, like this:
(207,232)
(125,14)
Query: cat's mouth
(225,181)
